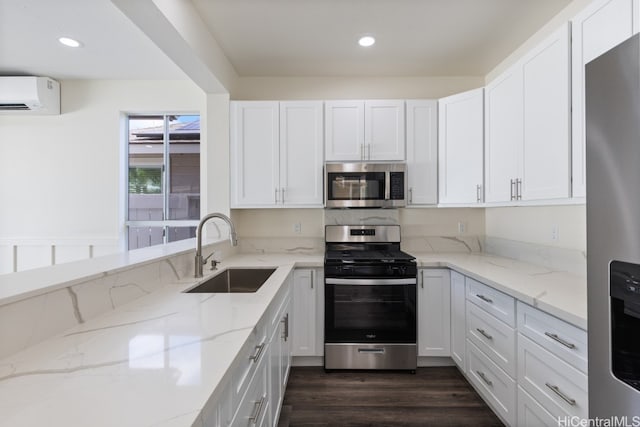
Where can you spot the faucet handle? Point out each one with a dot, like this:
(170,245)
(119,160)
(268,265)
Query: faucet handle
(214,264)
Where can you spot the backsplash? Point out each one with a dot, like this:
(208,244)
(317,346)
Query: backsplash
(558,259)
(32,320)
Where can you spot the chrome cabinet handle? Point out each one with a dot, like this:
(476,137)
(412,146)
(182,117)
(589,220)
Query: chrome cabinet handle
(258,353)
(422,279)
(282,190)
(410,195)
(519,189)
(563,396)
(484,333)
(285,322)
(313,276)
(512,192)
(276,195)
(484,378)
(478,193)
(560,340)
(257,410)
(485,299)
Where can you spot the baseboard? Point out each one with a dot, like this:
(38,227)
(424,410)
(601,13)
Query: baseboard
(307,361)
(425,361)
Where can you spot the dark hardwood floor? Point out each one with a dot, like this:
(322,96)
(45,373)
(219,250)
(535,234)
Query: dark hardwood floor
(432,397)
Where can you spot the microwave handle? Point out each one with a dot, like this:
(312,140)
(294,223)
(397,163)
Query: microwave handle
(387,185)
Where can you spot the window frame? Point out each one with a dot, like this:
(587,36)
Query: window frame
(166,179)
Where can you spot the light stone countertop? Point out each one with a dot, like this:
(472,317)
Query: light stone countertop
(157,360)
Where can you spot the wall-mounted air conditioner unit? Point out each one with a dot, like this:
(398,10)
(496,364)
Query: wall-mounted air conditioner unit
(29,95)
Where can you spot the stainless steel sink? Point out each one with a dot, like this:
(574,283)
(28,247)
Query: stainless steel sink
(235,280)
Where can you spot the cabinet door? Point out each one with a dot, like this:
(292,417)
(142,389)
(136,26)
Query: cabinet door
(503,134)
(599,27)
(344,130)
(458,320)
(422,152)
(303,324)
(301,157)
(547,109)
(254,154)
(460,147)
(384,130)
(434,314)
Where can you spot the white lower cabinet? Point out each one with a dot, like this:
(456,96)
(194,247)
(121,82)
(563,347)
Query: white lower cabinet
(559,387)
(458,320)
(496,387)
(254,406)
(307,331)
(434,316)
(254,391)
(529,366)
(531,413)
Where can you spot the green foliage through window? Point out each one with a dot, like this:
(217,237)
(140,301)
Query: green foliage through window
(145,180)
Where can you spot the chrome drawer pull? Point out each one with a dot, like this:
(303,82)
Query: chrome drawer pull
(485,299)
(257,410)
(256,355)
(285,332)
(557,391)
(484,334)
(560,340)
(484,378)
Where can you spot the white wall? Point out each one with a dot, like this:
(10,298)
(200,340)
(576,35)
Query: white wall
(276,88)
(62,177)
(565,15)
(536,225)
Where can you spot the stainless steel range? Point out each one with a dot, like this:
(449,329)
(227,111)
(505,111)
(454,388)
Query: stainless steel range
(370,299)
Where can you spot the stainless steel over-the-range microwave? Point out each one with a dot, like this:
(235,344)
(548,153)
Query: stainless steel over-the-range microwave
(365,185)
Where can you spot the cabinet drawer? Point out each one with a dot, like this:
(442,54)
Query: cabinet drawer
(559,337)
(496,387)
(254,406)
(496,339)
(531,413)
(249,357)
(499,305)
(559,387)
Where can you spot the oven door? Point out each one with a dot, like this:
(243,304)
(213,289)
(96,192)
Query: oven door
(370,310)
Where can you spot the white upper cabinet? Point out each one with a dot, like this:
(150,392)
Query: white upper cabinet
(503,135)
(255,156)
(422,152)
(276,154)
(460,148)
(527,135)
(384,130)
(547,109)
(344,130)
(599,27)
(301,142)
(364,130)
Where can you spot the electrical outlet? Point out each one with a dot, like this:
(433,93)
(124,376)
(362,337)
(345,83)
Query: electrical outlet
(555,232)
(462,227)
(297,228)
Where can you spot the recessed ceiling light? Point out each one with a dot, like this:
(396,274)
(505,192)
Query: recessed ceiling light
(69,42)
(366,41)
(149,146)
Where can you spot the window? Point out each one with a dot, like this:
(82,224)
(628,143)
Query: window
(163,180)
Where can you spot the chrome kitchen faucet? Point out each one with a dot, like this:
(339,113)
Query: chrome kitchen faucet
(200,261)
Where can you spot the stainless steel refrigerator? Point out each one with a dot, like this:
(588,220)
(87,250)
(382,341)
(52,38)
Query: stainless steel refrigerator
(613,232)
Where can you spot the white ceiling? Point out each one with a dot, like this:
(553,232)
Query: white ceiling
(113,47)
(276,37)
(414,37)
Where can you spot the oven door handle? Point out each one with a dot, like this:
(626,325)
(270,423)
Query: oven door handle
(370,282)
